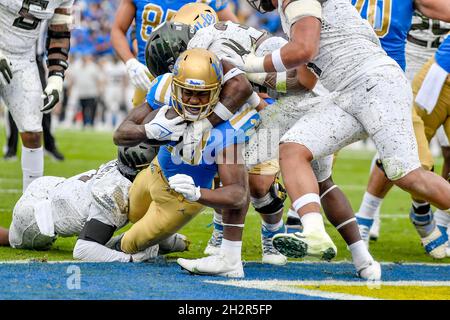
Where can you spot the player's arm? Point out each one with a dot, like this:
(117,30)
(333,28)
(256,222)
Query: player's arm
(233,175)
(227,15)
(434,9)
(122,22)
(58,46)
(152,126)
(137,72)
(235,92)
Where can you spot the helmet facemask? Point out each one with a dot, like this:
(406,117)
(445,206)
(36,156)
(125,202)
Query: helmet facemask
(262,6)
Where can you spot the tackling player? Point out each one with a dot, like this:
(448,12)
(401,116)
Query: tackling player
(372,98)
(20,86)
(148,14)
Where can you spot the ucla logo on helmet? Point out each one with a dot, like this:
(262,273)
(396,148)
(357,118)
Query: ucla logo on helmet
(216,65)
(207,20)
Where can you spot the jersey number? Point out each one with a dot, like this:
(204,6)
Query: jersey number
(26,20)
(378,14)
(152,16)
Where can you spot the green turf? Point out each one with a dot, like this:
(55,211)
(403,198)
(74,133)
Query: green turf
(86,150)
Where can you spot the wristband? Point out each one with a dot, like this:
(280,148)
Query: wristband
(277,61)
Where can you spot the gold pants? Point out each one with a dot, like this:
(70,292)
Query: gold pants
(156,211)
(426,125)
(270,167)
(140,95)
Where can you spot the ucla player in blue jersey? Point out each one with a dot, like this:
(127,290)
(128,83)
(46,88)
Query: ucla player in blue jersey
(148,14)
(177,185)
(392,20)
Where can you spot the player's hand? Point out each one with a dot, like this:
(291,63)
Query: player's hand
(161,128)
(243,59)
(185,185)
(192,137)
(138,74)
(52,93)
(5,69)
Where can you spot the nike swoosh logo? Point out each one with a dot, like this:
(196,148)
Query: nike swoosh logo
(367,90)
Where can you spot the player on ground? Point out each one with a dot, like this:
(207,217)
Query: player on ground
(19,80)
(148,14)
(372,98)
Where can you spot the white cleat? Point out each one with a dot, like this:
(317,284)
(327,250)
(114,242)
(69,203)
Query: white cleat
(364,232)
(216,265)
(314,243)
(146,255)
(375,229)
(271,255)
(370,271)
(175,243)
(435,244)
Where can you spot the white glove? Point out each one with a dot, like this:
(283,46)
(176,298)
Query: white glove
(145,255)
(161,128)
(5,69)
(138,74)
(185,185)
(52,93)
(247,62)
(192,137)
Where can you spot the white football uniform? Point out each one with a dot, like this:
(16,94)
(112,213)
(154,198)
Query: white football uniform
(56,206)
(19,31)
(371,97)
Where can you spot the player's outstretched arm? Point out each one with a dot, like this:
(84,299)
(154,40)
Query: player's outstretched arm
(122,22)
(434,9)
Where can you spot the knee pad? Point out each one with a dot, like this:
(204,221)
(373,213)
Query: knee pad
(273,201)
(396,168)
(97,231)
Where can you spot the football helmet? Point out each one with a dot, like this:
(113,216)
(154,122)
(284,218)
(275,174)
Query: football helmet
(198,15)
(196,70)
(262,6)
(164,46)
(131,160)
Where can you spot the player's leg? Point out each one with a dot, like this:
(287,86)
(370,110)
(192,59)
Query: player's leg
(267,196)
(12,138)
(4,237)
(23,98)
(322,131)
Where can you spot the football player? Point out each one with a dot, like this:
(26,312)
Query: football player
(164,44)
(56,206)
(372,98)
(423,39)
(19,79)
(177,185)
(148,14)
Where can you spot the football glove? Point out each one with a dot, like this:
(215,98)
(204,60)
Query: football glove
(161,128)
(5,69)
(185,185)
(244,60)
(52,93)
(138,74)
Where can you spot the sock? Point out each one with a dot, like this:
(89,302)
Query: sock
(32,165)
(442,218)
(217,217)
(272,227)
(292,214)
(421,207)
(312,221)
(360,254)
(369,206)
(231,250)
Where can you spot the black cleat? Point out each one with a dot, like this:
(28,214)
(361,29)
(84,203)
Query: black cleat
(55,154)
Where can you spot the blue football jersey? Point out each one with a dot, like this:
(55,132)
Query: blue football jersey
(391,20)
(443,54)
(151,13)
(202,166)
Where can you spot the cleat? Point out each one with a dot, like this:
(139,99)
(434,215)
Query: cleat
(175,243)
(370,271)
(216,265)
(10,156)
(214,243)
(298,245)
(364,225)
(375,229)
(146,255)
(436,244)
(55,154)
(293,225)
(271,255)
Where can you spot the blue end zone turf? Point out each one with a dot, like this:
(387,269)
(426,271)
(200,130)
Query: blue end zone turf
(165,280)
